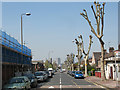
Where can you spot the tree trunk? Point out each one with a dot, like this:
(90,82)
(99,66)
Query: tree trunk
(78,66)
(72,67)
(102,60)
(86,58)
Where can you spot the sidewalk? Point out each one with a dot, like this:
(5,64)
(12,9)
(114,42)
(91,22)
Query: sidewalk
(107,83)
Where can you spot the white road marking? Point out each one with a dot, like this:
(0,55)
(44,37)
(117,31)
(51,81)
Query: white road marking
(60,87)
(60,82)
(51,87)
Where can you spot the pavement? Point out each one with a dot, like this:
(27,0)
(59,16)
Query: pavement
(109,84)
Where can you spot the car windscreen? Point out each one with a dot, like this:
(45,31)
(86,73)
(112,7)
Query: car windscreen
(16,80)
(39,74)
(30,76)
(78,72)
(73,71)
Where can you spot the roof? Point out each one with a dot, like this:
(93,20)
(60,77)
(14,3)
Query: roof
(37,61)
(111,54)
(20,77)
(97,55)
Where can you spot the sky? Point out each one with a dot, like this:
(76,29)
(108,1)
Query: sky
(52,26)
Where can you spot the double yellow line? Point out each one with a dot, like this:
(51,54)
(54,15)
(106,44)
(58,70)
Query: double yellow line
(75,83)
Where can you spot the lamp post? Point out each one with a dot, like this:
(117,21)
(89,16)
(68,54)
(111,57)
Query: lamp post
(116,69)
(27,14)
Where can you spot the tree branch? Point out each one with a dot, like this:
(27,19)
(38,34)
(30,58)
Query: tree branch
(94,13)
(82,49)
(90,42)
(92,29)
(102,20)
(98,24)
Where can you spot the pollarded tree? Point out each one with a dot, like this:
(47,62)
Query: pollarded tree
(83,51)
(99,17)
(79,55)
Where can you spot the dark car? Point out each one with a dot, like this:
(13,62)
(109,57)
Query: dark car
(32,79)
(78,74)
(73,73)
(70,72)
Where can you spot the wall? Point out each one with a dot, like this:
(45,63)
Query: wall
(107,71)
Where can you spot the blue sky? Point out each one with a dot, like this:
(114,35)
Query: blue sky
(53,25)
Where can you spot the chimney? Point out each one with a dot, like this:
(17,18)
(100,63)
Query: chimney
(111,49)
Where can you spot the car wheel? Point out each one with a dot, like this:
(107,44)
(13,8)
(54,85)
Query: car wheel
(36,85)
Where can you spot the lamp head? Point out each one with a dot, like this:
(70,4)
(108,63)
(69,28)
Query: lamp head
(28,14)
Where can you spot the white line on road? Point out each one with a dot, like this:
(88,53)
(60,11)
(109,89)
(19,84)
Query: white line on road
(60,87)
(51,87)
(60,82)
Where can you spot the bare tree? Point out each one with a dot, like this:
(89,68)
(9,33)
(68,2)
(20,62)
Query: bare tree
(79,56)
(99,17)
(70,60)
(83,51)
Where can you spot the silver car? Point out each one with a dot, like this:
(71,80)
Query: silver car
(40,76)
(45,75)
(17,83)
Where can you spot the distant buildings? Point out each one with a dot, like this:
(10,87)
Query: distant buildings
(59,61)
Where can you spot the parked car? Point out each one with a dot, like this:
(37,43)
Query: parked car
(45,75)
(32,79)
(40,76)
(50,74)
(73,73)
(61,71)
(70,73)
(78,74)
(51,69)
(21,82)
(47,72)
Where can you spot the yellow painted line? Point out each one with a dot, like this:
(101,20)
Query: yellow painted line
(95,84)
(75,83)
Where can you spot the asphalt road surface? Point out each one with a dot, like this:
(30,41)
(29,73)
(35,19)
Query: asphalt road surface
(63,81)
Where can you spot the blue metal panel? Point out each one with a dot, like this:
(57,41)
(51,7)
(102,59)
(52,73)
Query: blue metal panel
(3,34)
(0,33)
(7,37)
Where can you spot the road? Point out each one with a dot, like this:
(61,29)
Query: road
(63,81)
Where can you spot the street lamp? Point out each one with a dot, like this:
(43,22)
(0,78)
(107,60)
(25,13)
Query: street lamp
(27,14)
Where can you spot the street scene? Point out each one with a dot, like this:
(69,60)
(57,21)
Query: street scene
(59,45)
(64,81)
